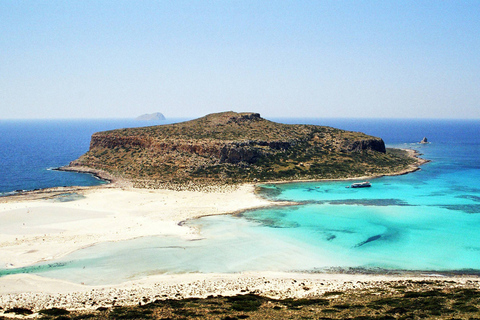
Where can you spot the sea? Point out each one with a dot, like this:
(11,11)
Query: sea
(30,150)
(426,221)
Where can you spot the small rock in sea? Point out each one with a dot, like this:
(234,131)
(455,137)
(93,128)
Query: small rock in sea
(424,140)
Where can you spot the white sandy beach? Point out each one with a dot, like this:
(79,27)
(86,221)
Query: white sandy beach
(41,230)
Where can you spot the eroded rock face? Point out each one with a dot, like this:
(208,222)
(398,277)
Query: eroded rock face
(236,154)
(100,140)
(362,145)
(226,152)
(244,117)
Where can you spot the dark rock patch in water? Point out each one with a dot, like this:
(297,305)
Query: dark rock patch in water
(466,189)
(272,223)
(371,239)
(331,237)
(370,202)
(255,216)
(341,231)
(467,208)
(389,235)
(269,191)
(318,189)
(469,197)
(435,194)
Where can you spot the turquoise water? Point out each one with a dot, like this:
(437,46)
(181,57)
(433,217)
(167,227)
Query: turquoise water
(428,220)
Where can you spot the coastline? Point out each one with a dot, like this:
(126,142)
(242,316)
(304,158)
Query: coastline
(412,168)
(131,213)
(99,174)
(120,182)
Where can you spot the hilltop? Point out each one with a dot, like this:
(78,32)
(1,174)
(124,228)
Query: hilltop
(229,148)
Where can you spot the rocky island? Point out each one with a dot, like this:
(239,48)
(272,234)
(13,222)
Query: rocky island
(231,148)
(157,116)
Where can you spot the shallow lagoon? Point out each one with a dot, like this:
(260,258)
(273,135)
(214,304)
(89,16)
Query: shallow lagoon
(421,221)
(427,220)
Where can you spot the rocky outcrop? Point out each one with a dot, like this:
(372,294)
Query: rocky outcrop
(235,154)
(226,152)
(244,117)
(424,140)
(363,145)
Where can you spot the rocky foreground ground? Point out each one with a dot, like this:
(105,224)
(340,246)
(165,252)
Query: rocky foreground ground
(400,299)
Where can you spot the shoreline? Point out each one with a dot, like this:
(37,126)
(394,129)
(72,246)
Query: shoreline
(118,182)
(131,213)
(98,173)
(413,168)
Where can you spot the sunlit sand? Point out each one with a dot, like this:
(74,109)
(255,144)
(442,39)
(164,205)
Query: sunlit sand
(47,229)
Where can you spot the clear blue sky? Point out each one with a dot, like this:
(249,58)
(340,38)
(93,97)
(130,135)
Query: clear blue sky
(97,59)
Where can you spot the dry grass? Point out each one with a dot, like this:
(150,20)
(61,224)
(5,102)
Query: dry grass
(395,300)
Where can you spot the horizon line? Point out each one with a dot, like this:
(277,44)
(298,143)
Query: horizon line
(265,117)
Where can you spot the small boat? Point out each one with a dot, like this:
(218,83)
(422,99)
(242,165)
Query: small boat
(364,184)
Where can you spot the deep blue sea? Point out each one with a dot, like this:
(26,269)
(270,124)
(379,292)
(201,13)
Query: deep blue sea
(428,220)
(29,149)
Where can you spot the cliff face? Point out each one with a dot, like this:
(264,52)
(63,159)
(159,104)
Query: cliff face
(362,145)
(234,147)
(225,152)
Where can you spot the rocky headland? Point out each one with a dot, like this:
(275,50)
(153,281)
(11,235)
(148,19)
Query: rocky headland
(230,148)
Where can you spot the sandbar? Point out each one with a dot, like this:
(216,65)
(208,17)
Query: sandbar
(47,228)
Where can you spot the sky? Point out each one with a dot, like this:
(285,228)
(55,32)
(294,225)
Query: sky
(322,59)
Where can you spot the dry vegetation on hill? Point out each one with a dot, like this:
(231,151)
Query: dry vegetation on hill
(229,147)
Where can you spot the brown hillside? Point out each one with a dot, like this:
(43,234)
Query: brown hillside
(234,147)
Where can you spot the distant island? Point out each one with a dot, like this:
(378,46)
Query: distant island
(157,116)
(231,148)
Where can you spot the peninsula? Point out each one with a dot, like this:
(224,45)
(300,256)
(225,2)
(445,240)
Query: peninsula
(232,148)
(225,152)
